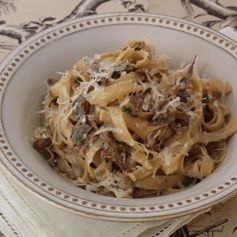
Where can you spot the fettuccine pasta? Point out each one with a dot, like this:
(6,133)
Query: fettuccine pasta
(123,124)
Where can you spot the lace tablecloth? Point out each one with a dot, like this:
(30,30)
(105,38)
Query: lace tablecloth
(20,19)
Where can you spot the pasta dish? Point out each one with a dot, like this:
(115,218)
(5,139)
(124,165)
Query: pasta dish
(123,124)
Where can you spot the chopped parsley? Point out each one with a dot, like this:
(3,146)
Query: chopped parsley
(210,98)
(76,110)
(127,109)
(129,67)
(79,137)
(77,114)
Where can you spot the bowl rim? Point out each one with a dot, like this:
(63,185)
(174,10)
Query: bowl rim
(73,203)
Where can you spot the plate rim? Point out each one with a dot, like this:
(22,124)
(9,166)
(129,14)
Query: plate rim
(103,212)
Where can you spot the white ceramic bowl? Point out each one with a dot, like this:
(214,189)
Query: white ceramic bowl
(22,88)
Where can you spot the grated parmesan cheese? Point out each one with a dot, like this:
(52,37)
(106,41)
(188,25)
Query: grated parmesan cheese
(85,86)
(65,74)
(124,102)
(173,103)
(83,118)
(192,114)
(166,156)
(105,65)
(146,102)
(107,129)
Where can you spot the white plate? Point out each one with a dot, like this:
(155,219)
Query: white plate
(22,88)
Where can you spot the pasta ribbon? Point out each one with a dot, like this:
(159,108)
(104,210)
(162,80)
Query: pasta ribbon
(139,126)
(217,120)
(118,121)
(90,154)
(201,167)
(220,134)
(122,87)
(159,182)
